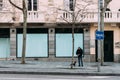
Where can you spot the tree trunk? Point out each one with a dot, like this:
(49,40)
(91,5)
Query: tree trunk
(73,26)
(24,10)
(72,45)
(24,32)
(106,2)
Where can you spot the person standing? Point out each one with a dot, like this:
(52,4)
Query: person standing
(79,53)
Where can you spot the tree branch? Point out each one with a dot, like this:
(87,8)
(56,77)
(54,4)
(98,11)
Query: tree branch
(106,4)
(63,10)
(81,10)
(65,20)
(15,5)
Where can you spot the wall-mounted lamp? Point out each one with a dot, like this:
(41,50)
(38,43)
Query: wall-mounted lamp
(86,30)
(13,31)
(51,30)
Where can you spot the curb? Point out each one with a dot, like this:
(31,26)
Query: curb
(60,73)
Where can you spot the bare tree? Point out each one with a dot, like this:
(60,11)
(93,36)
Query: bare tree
(77,14)
(24,10)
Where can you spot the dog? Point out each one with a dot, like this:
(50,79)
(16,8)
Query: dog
(74,63)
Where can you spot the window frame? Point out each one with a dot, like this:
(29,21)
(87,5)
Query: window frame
(68,4)
(31,6)
(71,5)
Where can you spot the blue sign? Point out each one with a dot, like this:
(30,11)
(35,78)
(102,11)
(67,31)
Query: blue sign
(99,35)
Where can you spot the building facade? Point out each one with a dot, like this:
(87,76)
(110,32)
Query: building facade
(49,30)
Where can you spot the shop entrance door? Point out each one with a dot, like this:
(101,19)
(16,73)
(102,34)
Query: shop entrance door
(108,47)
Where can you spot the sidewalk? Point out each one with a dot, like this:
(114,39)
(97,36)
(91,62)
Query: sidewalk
(58,68)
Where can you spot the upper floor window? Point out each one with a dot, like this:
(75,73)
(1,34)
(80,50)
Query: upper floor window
(1,4)
(69,5)
(32,5)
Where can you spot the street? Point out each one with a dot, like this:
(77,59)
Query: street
(54,77)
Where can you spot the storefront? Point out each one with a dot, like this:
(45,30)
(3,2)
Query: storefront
(64,41)
(4,42)
(36,43)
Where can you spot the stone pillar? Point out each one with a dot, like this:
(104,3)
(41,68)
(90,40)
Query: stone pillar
(87,44)
(51,43)
(13,43)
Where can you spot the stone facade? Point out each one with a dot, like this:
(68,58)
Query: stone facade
(13,43)
(51,15)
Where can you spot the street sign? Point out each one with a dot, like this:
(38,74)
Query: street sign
(99,35)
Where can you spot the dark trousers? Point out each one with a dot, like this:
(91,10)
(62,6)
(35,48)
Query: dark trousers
(80,61)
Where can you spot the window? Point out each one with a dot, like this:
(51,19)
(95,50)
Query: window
(35,36)
(69,4)
(32,5)
(1,4)
(64,36)
(66,4)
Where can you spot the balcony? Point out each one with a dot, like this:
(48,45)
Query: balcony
(90,17)
(42,17)
(33,17)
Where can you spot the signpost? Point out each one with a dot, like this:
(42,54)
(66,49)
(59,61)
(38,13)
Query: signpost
(102,5)
(99,35)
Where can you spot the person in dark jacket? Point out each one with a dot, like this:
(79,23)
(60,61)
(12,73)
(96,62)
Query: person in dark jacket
(79,53)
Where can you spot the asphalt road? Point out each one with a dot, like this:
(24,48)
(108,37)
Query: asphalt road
(54,77)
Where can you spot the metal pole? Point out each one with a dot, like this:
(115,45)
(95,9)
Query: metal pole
(102,29)
(99,29)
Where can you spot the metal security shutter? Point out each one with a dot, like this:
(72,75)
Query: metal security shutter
(64,42)
(4,42)
(36,44)
(4,48)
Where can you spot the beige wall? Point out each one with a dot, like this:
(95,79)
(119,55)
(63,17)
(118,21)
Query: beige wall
(116,34)
(114,5)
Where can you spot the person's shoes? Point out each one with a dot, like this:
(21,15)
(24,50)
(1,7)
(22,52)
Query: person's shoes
(79,65)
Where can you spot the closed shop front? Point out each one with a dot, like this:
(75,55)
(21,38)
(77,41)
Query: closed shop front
(64,41)
(36,43)
(4,43)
